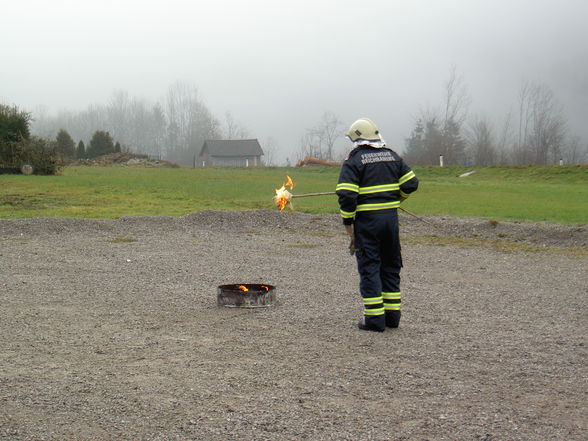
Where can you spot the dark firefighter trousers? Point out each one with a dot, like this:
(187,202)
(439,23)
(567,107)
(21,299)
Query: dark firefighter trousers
(379,262)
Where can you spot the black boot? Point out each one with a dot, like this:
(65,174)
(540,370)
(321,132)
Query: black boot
(393,319)
(369,327)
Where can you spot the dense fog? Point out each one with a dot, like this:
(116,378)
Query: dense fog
(480,82)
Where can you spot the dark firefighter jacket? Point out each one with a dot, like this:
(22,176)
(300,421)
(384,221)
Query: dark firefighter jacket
(373,179)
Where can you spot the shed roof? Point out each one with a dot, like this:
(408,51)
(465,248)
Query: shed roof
(232,147)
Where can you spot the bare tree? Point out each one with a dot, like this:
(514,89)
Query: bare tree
(573,152)
(118,113)
(308,147)
(179,108)
(457,99)
(269,147)
(520,153)
(542,127)
(440,132)
(319,141)
(147,125)
(549,126)
(137,124)
(328,131)
(481,142)
(232,129)
(505,139)
(190,123)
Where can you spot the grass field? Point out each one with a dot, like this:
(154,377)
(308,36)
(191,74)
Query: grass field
(553,193)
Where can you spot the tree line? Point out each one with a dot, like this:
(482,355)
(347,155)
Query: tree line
(101,143)
(536,134)
(18,146)
(176,126)
(173,128)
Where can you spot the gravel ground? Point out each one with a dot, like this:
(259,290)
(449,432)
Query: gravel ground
(110,330)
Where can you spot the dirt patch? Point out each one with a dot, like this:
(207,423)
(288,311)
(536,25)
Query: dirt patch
(110,330)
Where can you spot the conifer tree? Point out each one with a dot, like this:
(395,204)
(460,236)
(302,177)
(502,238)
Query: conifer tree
(100,144)
(65,145)
(81,150)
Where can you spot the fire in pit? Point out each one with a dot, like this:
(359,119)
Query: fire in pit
(247,295)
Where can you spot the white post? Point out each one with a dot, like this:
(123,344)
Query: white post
(246,162)
(440,160)
(561,161)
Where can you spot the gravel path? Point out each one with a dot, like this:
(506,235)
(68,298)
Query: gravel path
(110,330)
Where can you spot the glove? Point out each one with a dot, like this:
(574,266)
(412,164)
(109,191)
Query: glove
(351,233)
(352,248)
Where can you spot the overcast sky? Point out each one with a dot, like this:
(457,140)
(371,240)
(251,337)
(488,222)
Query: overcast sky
(278,65)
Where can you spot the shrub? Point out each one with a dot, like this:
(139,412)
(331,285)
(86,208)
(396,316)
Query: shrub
(14,124)
(17,147)
(37,152)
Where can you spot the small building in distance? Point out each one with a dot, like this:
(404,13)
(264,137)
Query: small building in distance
(231,152)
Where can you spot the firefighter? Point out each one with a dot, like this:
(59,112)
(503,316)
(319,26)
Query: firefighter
(372,183)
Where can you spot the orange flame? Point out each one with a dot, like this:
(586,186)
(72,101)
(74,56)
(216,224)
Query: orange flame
(243,288)
(283,196)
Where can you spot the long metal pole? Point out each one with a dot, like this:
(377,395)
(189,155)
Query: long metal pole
(418,217)
(327,193)
(304,195)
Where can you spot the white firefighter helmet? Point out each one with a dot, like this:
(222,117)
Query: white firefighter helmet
(364,128)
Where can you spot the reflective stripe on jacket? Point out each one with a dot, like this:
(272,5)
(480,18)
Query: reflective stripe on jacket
(373,179)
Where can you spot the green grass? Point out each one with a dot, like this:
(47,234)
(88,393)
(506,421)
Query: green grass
(552,193)
(555,194)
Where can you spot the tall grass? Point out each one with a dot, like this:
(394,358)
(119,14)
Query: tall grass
(557,194)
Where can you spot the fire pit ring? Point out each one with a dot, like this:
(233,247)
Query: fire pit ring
(246,295)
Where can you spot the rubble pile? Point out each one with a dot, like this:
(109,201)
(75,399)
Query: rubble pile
(310,161)
(124,160)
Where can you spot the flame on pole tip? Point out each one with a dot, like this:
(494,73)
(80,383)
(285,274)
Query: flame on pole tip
(283,196)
